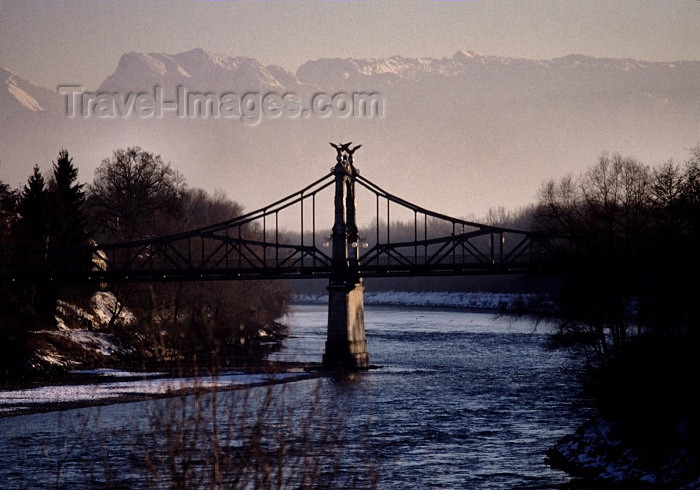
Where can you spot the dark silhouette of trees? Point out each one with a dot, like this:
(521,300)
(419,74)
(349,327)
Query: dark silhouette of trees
(40,229)
(32,208)
(628,294)
(50,230)
(8,205)
(221,322)
(691,194)
(66,200)
(134,195)
(8,218)
(668,192)
(12,331)
(605,215)
(28,305)
(31,256)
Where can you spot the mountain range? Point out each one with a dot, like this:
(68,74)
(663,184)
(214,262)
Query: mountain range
(458,134)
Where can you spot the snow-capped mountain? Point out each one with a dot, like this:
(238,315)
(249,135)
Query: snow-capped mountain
(197,70)
(19,95)
(201,70)
(477,131)
(499,76)
(473,73)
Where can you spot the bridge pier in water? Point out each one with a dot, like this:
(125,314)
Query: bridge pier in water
(346,346)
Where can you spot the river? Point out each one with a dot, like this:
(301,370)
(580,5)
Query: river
(458,399)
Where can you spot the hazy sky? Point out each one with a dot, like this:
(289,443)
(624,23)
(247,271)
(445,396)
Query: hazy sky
(53,42)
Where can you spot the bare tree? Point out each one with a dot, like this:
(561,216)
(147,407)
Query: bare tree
(667,192)
(605,212)
(135,194)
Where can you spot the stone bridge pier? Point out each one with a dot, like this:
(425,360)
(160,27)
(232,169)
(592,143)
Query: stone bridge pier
(346,346)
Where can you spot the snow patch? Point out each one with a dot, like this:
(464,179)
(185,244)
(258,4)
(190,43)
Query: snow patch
(116,373)
(477,300)
(52,358)
(83,333)
(18,399)
(106,304)
(24,98)
(96,341)
(465,55)
(594,450)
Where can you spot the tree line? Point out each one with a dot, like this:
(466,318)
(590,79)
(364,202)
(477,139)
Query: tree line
(134,195)
(628,297)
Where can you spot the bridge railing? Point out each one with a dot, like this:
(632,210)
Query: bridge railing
(435,241)
(468,253)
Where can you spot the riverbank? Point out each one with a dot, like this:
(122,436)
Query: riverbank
(100,387)
(115,381)
(599,456)
(100,333)
(477,301)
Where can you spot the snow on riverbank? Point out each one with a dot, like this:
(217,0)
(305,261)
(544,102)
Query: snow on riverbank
(595,452)
(25,400)
(103,307)
(479,300)
(82,334)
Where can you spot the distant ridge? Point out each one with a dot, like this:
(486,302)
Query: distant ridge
(459,134)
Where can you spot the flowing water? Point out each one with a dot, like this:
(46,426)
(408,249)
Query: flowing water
(458,399)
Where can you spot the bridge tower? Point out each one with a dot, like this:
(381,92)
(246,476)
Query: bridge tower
(346,346)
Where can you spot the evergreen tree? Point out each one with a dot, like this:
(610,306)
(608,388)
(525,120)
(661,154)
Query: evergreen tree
(8,217)
(66,217)
(40,296)
(32,208)
(8,207)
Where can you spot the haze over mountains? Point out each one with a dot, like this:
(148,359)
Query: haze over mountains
(458,135)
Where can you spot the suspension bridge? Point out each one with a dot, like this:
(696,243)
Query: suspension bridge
(287,239)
